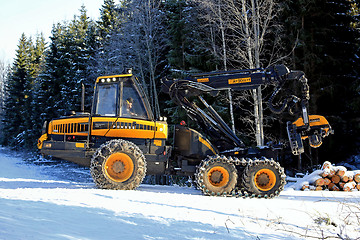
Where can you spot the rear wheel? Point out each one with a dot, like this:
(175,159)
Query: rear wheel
(118,164)
(216,176)
(263,178)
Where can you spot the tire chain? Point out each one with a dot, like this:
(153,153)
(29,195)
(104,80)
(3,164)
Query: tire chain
(106,149)
(243,162)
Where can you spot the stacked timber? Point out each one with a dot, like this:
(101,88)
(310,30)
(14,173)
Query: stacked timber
(333,178)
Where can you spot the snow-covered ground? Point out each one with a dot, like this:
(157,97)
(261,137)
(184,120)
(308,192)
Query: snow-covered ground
(58,200)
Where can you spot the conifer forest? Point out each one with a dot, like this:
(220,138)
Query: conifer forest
(171,39)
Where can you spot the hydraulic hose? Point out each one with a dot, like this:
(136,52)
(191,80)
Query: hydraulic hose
(271,104)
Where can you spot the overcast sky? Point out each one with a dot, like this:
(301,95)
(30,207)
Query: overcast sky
(36,16)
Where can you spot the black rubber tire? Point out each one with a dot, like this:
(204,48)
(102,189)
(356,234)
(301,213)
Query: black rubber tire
(205,171)
(99,165)
(251,184)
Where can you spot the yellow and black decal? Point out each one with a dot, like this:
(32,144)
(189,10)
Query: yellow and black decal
(239,80)
(202,80)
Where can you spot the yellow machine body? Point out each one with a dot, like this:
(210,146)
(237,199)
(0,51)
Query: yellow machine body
(315,131)
(76,137)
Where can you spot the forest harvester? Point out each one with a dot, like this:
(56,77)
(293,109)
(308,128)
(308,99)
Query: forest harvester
(121,141)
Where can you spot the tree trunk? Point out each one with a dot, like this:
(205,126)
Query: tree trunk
(258,108)
(222,29)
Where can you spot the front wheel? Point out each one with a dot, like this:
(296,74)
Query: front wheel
(263,178)
(118,164)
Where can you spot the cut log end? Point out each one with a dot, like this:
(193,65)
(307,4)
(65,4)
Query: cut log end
(357,178)
(333,187)
(335,179)
(345,178)
(327,181)
(340,173)
(320,182)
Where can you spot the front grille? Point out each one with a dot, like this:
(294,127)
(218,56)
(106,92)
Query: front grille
(71,128)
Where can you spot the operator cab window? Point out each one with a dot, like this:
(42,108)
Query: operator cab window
(106,100)
(132,103)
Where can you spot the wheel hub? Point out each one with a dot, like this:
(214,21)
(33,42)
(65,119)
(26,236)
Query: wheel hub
(263,179)
(216,177)
(118,167)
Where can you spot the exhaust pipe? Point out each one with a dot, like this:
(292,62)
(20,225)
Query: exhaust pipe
(82,97)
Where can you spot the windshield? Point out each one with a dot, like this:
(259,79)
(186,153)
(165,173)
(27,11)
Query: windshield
(133,105)
(106,100)
(120,97)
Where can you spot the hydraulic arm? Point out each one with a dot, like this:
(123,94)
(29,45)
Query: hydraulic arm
(313,127)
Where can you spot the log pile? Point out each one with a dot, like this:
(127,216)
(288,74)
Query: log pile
(333,178)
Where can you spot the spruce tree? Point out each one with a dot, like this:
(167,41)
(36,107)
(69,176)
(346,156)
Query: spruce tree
(4,73)
(70,51)
(34,121)
(109,19)
(109,56)
(20,115)
(49,81)
(17,95)
(185,49)
(79,54)
(187,40)
(178,34)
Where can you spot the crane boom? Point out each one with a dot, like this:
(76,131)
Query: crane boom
(314,128)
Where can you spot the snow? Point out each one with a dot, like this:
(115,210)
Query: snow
(57,200)
(306,180)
